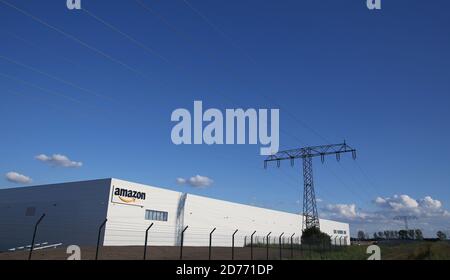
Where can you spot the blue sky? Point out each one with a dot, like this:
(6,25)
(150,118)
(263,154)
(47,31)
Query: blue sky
(99,86)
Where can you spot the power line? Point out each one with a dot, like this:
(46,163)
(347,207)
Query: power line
(17,93)
(36,46)
(217,29)
(73,38)
(135,41)
(139,43)
(344,184)
(52,92)
(293,116)
(162,18)
(53,77)
(41,88)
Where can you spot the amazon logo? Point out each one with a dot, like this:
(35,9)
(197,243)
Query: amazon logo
(129,196)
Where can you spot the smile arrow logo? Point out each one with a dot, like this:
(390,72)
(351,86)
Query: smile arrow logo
(127,200)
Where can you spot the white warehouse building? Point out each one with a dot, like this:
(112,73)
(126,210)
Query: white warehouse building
(74,212)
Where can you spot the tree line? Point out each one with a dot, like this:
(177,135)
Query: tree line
(411,234)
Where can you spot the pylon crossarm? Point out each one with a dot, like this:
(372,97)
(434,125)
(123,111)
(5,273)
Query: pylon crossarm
(313,151)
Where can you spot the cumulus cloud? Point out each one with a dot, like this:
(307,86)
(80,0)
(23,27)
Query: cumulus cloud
(430,203)
(17,178)
(196,181)
(59,160)
(408,205)
(397,203)
(181,181)
(344,211)
(430,212)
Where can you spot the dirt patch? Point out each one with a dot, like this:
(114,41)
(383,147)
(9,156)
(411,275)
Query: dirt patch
(154,253)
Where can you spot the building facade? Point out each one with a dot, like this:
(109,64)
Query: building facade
(74,212)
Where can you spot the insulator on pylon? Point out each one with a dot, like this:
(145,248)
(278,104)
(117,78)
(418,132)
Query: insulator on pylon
(265,164)
(322,158)
(354,155)
(278,163)
(292,161)
(338,157)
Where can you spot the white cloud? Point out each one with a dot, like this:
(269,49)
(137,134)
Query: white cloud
(344,211)
(18,178)
(196,181)
(181,181)
(59,160)
(430,213)
(408,205)
(430,203)
(397,202)
(388,208)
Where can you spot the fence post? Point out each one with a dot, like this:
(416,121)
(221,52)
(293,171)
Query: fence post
(146,237)
(279,240)
(34,235)
(267,245)
(98,239)
(310,248)
(331,243)
(335,242)
(292,246)
(232,244)
(210,243)
(301,246)
(251,245)
(321,249)
(340,241)
(330,247)
(182,242)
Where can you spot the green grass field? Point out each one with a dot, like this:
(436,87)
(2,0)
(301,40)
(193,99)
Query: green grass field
(418,250)
(400,251)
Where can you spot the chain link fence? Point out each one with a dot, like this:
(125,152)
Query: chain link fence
(123,240)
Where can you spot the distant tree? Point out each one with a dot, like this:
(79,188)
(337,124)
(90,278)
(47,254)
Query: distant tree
(441,235)
(419,234)
(375,236)
(411,234)
(386,234)
(361,235)
(380,235)
(392,233)
(403,234)
(315,236)
(396,236)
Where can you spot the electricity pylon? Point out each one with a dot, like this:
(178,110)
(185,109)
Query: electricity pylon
(310,215)
(405,219)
